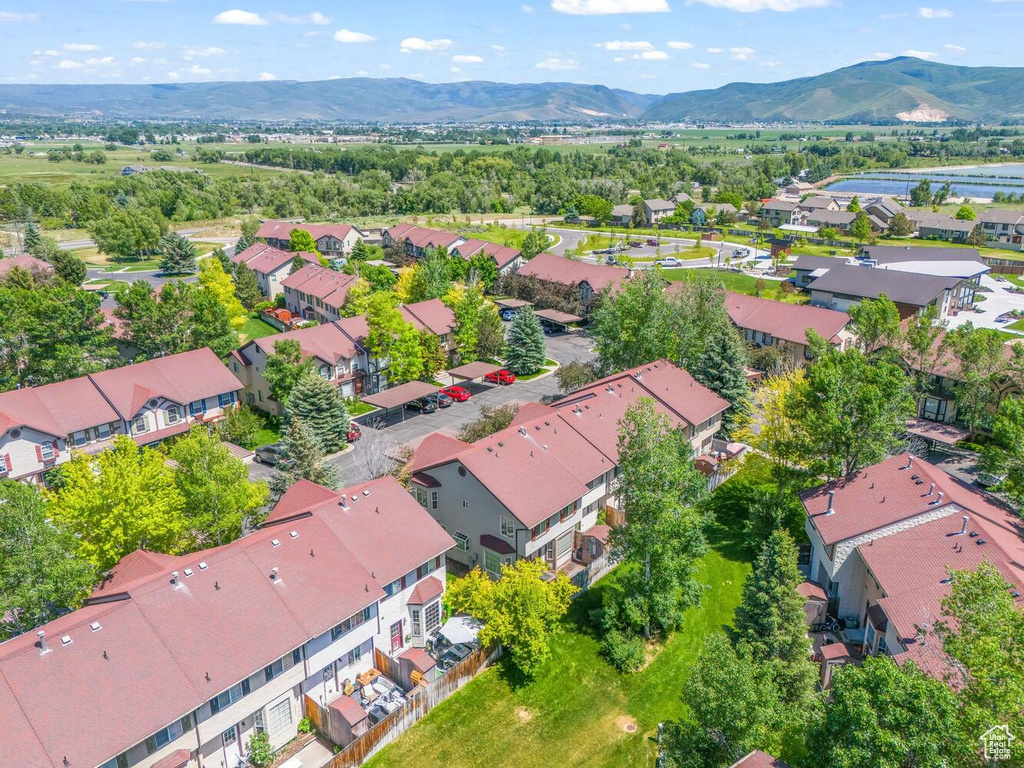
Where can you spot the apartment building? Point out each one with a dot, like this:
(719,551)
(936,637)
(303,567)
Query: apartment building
(590,279)
(150,401)
(177,661)
(316,292)
(1004,226)
(534,489)
(332,240)
(271,265)
(506,258)
(419,239)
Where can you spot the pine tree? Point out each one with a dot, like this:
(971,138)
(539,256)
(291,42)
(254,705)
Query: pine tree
(360,251)
(770,622)
(721,368)
(317,402)
(525,350)
(177,255)
(305,460)
(33,240)
(854,206)
(247,287)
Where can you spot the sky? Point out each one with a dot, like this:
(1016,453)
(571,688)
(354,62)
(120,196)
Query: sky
(651,46)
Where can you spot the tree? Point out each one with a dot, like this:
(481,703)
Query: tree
(980,359)
(900,226)
(854,206)
(1004,455)
(772,425)
(828,233)
(721,368)
(634,325)
(851,410)
(977,237)
(468,307)
(575,375)
(393,340)
(881,714)
(247,286)
(317,401)
(127,233)
(301,241)
(41,576)
(240,426)
(921,194)
(66,266)
(493,418)
(31,240)
(218,284)
(876,322)
(360,251)
(177,254)
(220,255)
(639,216)
(525,348)
(771,624)
(120,500)
(435,359)
(965,213)
(535,242)
(285,368)
(520,610)
(663,535)
(923,346)
(220,500)
(595,206)
(249,228)
(860,230)
(358,299)
(305,459)
(490,334)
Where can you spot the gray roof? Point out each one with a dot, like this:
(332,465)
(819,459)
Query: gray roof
(930,220)
(817,202)
(1000,216)
(889,254)
(717,207)
(822,216)
(660,205)
(622,210)
(779,205)
(811,263)
(870,283)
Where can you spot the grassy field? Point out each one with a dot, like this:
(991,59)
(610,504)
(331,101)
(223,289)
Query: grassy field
(93,257)
(741,283)
(492,234)
(576,710)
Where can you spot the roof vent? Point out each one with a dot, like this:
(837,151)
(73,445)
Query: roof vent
(273,573)
(355,499)
(979,542)
(910,461)
(522,431)
(174,579)
(501,444)
(66,639)
(95,626)
(366,493)
(931,489)
(188,572)
(831,503)
(938,499)
(275,542)
(293,534)
(343,501)
(963,528)
(203,566)
(973,534)
(42,642)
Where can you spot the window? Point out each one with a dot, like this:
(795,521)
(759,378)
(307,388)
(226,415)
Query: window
(103,430)
(351,623)
(539,528)
(80,438)
(421,496)
(165,736)
(417,622)
(47,451)
(461,541)
(432,616)
(139,424)
(595,482)
(196,408)
(173,414)
(492,563)
(396,636)
(508,527)
(328,672)
(393,588)
(3,465)
(279,717)
(230,696)
(121,761)
(273,670)
(433,499)
(564,543)
(226,399)
(296,656)
(426,569)
(229,736)
(355,655)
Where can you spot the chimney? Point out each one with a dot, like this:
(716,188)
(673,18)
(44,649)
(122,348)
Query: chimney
(963,528)
(42,642)
(931,489)
(938,499)
(831,503)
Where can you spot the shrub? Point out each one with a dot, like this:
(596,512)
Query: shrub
(306,726)
(625,652)
(260,753)
(240,426)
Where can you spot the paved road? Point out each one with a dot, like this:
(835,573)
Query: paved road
(357,465)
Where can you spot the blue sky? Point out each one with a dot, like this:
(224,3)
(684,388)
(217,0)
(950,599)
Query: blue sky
(655,46)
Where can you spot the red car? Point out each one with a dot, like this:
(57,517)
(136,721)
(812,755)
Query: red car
(504,376)
(354,432)
(458,394)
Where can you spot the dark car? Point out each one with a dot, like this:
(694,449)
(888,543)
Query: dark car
(504,376)
(422,405)
(651,241)
(507,314)
(439,399)
(636,244)
(354,432)
(271,455)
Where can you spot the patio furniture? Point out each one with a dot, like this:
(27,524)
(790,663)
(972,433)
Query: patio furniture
(368,676)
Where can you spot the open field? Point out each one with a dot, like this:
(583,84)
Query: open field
(741,283)
(94,258)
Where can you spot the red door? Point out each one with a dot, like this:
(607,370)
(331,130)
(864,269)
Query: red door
(396,636)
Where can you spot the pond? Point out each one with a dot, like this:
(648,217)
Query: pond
(976,182)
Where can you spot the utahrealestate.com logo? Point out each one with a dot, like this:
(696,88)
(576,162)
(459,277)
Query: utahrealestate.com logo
(997,742)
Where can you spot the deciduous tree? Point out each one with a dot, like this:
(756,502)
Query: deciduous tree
(284,368)
(876,322)
(634,325)
(965,213)
(393,340)
(535,242)
(980,359)
(900,226)
(128,233)
(301,241)
(218,284)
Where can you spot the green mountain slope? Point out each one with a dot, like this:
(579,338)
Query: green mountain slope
(872,91)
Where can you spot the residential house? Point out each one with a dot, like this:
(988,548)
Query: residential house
(536,488)
(656,210)
(590,278)
(883,209)
(419,239)
(332,240)
(846,285)
(807,268)
(817,203)
(938,226)
(434,316)
(775,213)
(506,258)
(622,215)
(24,261)
(317,293)
(393,234)
(798,188)
(767,323)
(150,401)
(1003,225)
(271,265)
(706,213)
(179,660)
(826,217)
(883,542)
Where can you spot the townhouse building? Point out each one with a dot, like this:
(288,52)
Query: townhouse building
(590,279)
(1004,226)
(316,292)
(882,544)
(418,239)
(332,240)
(506,258)
(150,401)
(272,266)
(938,226)
(536,488)
(826,217)
(177,661)
(656,210)
(775,213)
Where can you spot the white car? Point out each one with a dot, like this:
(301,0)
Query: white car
(670,261)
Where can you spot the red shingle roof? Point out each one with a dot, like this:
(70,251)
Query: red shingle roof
(556,269)
(503,255)
(56,409)
(282,230)
(431,314)
(349,709)
(267,260)
(759,759)
(789,322)
(425,591)
(420,659)
(322,283)
(328,342)
(25,261)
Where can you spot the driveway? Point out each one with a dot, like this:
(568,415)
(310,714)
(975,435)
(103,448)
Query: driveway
(370,453)
(997,300)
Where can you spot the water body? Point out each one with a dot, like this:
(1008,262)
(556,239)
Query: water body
(979,182)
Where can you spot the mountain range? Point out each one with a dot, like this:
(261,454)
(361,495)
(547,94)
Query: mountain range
(904,88)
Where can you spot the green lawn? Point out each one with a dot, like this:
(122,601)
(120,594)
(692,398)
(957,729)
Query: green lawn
(549,365)
(741,283)
(358,407)
(576,709)
(255,328)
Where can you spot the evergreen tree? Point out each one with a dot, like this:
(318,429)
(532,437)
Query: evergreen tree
(305,460)
(32,239)
(854,206)
(177,255)
(525,349)
(360,251)
(317,401)
(247,287)
(771,623)
(721,368)
(225,263)
(285,368)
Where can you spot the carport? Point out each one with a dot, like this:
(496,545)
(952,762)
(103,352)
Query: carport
(558,320)
(470,372)
(512,303)
(936,434)
(400,396)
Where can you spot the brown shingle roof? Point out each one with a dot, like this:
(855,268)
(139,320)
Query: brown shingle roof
(282,230)
(25,261)
(327,342)
(431,314)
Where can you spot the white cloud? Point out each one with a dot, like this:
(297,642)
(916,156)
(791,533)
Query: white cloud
(307,18)
(348,36)
(555,63)
(891,16)
(456,69)
(68,64)
(266,77)
(714,50)
(955,48)
(619,59)
(606,7)
(769,63)
(195,69)
(174,75)
(752,6)
(498,48)
(934,13)
(625,45)
(419,44)
(526,8)
(50,52)
(361,73)
(882,55)
(145,46)
(679,45)
(921,54)
(80,47)
(9,17)
(700,65)
(198,52)
(742,54)
(467,59)
(651,55)
(159,61)
(136,60)
(386,67)
(236,16)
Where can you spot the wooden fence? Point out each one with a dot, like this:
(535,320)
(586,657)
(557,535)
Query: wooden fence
(419,703)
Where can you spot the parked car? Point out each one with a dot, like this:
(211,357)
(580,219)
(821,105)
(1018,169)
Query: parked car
(635,244)
(652,241)
(504,376)
(354,432)
(423,405)
(741,253)
(507,314)
(458,394)
(272,455)
(669,261)
(986,480)
(439,399)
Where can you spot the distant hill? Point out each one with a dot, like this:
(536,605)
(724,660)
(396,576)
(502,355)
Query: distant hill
(903,88)
(356,99)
